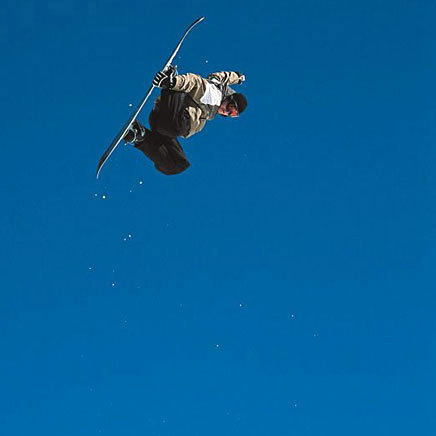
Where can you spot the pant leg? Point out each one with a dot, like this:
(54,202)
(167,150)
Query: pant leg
(166,153)
(169,117)
(175,161)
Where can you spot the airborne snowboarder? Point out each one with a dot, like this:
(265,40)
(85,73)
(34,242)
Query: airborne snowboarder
(186,102)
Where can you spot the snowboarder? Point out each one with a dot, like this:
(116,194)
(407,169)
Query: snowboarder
(186,102)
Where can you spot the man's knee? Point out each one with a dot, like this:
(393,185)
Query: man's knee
(166,153)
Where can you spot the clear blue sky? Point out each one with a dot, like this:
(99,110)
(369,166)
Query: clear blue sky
(284,285)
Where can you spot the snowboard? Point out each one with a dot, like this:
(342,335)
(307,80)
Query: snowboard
(132,118)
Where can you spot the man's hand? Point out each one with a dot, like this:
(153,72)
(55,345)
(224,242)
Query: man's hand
(165,78)
(241,77)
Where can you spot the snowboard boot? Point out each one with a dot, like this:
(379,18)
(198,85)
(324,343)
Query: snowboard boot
(135,133)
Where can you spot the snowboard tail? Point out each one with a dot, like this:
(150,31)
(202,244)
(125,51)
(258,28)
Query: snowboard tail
(132,118)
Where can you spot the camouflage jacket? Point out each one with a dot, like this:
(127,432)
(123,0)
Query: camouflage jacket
(206,95)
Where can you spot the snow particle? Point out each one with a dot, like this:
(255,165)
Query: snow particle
(103,197)
(141,182)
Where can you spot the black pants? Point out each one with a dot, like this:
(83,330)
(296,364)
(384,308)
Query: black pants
(168,120)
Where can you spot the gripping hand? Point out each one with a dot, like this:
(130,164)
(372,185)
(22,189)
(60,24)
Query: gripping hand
(165,78)
(241,77)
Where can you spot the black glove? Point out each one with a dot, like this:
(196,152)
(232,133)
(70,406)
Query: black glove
(165,78)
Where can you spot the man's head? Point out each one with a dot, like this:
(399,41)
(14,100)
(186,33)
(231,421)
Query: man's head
(233,105)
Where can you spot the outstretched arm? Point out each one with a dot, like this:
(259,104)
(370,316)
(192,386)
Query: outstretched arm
(192,82)
(227,77)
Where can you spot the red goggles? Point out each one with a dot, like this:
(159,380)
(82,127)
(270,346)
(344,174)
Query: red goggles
(232,108)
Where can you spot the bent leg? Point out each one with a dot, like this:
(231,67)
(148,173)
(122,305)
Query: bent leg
(166,153)
(169,116)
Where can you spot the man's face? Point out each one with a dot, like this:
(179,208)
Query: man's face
(228,109)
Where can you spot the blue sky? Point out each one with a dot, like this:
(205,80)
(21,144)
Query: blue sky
(283,285)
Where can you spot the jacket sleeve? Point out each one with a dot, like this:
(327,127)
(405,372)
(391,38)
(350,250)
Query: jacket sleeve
(189,82)
(226,77)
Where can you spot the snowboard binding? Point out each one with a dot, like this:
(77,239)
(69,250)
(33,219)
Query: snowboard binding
(135,133)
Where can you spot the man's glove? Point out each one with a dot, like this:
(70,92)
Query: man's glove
(165,78)
(241,77)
